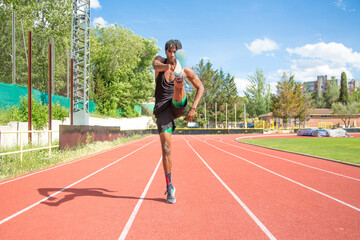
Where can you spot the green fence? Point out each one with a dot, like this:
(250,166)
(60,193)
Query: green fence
(10,95)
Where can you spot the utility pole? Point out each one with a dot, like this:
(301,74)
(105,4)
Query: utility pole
(215,115)
(13,48)
(205,114)
(235,115)
(52,65)
(67,73)
(245,123)
(226,116)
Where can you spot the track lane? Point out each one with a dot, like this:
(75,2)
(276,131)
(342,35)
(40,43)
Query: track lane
(288,210)
(88,208)
(341,188)
(13,201)
(204,208)
(311,161)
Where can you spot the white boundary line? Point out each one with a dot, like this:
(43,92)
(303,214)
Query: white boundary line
(137,207)
(285,159)
(248,211)
(286,178)
(52,195)
(67,163)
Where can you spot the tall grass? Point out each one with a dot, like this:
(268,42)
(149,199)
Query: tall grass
(11,166)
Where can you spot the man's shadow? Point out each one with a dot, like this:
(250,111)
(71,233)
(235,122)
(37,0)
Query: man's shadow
(73,193)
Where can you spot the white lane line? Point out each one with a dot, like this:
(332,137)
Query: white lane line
(257,221)
(262,136)
(293,181)
(52,195)
(67,163)
(285,159)
(137,207)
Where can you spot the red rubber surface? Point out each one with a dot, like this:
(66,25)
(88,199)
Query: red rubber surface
(292,196)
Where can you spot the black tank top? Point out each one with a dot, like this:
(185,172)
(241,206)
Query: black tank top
(164,92)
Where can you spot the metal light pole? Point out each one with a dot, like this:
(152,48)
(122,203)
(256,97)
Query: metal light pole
(235,115)
(245,123)
(52,65)
(67,73)
(13,48)
(205,115)
(215,115)
(226,116)
(29,86)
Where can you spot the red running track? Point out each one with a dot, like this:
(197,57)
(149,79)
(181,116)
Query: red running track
(224,190)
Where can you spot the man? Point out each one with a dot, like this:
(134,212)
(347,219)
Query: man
(171,103)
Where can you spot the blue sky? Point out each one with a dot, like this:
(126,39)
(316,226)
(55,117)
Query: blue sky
(305,38)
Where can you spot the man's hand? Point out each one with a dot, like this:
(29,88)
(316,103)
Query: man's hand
(191,114)
(171,67)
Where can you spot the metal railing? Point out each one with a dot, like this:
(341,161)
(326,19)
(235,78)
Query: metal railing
(32,149)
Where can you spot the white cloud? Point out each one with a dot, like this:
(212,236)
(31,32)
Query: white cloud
(241,85)
(322,59)
(332,52)
(258,46)
(100,22)
(95,4)
(306,70)
(340,4)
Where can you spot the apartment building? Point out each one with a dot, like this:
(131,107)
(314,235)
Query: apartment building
(322,83)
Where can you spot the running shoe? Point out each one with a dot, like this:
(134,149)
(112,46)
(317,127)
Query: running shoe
(170,198)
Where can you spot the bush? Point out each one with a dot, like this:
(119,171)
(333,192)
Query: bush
(40,113)
(59,112)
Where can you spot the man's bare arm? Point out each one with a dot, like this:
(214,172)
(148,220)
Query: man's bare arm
(159,65)
(199,92)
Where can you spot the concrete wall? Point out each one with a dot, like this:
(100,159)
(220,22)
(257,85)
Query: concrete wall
(13,139)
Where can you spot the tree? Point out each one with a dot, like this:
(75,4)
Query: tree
(355,96)
(331,94)
(346,111)
(305,104)
(46,19)
(288,102)
(344,92)
(220,88)
(258,94)
(122,72)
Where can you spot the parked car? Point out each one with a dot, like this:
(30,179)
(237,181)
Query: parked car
(249,125)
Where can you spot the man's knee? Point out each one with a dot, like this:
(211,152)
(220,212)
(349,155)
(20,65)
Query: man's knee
(166,148)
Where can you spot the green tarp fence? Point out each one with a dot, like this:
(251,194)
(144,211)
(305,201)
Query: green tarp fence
(10,95)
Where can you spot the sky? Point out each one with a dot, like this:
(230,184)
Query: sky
(304,38)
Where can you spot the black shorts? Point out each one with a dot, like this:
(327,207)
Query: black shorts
(166,118)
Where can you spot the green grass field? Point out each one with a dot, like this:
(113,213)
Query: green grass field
(342,149)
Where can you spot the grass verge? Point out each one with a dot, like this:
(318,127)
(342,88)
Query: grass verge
(341,149)
(10,165)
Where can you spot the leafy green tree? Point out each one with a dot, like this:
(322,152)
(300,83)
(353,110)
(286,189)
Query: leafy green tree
(344,92)
(122,73)
(220,89)
(331,94)
(318,101)
(346,111)
(355,96)
(46,19)
(258,94)
(288,101)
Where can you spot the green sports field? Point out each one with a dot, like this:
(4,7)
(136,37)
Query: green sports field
(342,149)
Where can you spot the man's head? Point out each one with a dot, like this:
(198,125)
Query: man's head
(171,47)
